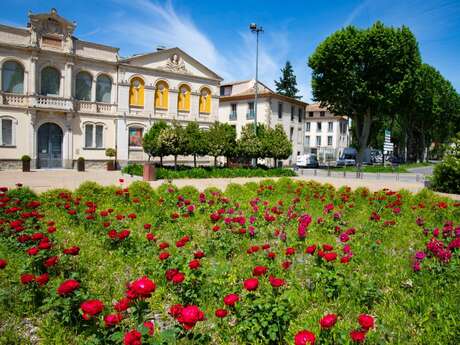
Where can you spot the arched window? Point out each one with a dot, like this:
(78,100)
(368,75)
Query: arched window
(83,84)
(103,89)
(161,95)
(12,77)
(183,99)
(50,81)
(136,92)
(205,100)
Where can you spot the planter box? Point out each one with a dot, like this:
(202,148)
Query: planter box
(81,165)
(26,166)
(149,172)
(111,165)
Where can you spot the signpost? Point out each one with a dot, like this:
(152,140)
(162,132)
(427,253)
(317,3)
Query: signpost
(388,147)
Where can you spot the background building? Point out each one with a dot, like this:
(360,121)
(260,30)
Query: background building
(237,108)
(326,134)
(62,98)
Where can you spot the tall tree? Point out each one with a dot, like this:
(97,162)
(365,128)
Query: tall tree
(195,141)
(221,140)
(249,144)
(150,140)
(171,141)
(363,73)
(287,85)
(279,146)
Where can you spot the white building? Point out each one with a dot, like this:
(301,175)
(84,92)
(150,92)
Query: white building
(237,108)
(326,134)
(63,98)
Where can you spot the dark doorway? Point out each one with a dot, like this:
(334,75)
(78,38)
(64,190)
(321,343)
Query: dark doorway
(49,139)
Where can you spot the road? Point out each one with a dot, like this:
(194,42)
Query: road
(422,170)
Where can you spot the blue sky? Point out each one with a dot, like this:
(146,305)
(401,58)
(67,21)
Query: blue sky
(216,32)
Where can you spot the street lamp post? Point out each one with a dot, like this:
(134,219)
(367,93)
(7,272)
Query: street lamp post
(257,29)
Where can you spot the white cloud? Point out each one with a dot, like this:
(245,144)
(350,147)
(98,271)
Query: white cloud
(153,24)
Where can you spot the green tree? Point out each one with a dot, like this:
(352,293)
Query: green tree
(249,144)
(287,84)
(195,141)
(364,73)
(150,140)
(171,141)
(221,140)
(277,144)
(446,175)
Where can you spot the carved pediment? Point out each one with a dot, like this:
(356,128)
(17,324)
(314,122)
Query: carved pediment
(175,64)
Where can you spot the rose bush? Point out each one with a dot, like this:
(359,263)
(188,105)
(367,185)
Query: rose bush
(286,262)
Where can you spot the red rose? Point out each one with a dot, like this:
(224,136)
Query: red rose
(72,250)
(194,264)
(366,321)
(42,279)
(327,247)
(358,336)
(221,313)
(122,304)
(151,326)
(112,234)
(290,251)
(259,271)
(304,338)
(328,321)
(150,236)
(178,278)
(3,263)
(330,256)
(171,273)
(251,284)
(276,282)
(133,337)
(199,254)
(286,264)
(175,310)
(32,251)
(51,261)
(111,320)
(189,316)
(163,245)
(27,278)
(68,287)
(123,234)
(163,256)
(91,307)
(310,249)
(143,287)
(231,299)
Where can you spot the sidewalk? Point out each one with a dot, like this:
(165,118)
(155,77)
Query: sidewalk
(43,180)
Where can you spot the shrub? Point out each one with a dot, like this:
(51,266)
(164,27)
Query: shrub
(110,152)
(446,175)
(25,158)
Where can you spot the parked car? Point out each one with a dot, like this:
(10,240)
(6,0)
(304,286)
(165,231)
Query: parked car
(307,161)
(348,157)
(395,160)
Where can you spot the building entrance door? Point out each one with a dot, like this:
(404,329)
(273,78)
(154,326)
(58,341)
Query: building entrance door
(49,146)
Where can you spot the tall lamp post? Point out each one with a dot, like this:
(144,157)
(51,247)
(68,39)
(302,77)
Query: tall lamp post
(256,29)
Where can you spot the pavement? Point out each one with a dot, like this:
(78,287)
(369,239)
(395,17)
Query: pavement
(43,180)
(422,170)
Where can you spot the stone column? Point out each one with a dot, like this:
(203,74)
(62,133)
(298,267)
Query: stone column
(68,80)
(122,141)
(33,76)
(93,90)
(67,143)
(32,136)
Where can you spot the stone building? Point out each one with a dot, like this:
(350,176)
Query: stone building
(326,134)
(63,98)
(237,108)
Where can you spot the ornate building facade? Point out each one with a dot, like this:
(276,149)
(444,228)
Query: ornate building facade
(63,98)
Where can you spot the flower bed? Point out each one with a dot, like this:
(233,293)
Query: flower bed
(209,172)
(285,262)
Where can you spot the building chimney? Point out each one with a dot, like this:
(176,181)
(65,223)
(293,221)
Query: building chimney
(160,48)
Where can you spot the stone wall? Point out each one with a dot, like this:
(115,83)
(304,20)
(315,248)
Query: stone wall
(10,164)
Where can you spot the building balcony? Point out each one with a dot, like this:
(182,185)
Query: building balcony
(94,107)
(250,115)
(232,117)
(52,102)
(13,99)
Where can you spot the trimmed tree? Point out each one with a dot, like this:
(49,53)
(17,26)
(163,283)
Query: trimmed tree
(249,144)
(221,140)
(171,141)
(150,141)
(195,141)
(364,73)
(277,144)
(287,84)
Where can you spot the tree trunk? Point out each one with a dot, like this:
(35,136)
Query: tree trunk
(276,161)
(422,146)
(175,162)
(194,160)
(215,161)
(161,161)
(363,128)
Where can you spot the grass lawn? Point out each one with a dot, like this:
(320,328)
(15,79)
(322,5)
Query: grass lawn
(285,262)
(402,168)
